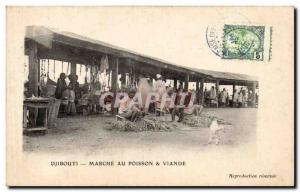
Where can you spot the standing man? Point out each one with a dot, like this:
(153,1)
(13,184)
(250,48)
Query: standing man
(61,86)
(240,99)
(223,97)
(213,95)
(235,98)
(160,88)
(73,94)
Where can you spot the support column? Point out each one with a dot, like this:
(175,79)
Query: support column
(186,82)
(114,83)
(254,93)
(201,91)
(73,68)
(217,90)
(197,92)
(92,80)
(123,79)
(33,77)
(33,70)
(175,83)
(197,86)
(217,87)
(114,75)
(233,88)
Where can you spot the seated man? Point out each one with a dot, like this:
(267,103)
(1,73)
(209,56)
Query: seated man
(178,109)
(186,108)
(126,110)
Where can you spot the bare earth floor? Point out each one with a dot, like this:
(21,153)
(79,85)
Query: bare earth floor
(89,134)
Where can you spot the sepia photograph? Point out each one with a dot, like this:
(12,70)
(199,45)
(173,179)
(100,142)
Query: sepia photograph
(79,89)
(150,96)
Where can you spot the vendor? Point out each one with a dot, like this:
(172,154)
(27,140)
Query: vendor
(160,88)
(61,86)
(74,85)
(126,110)
(178,110)
(73,88)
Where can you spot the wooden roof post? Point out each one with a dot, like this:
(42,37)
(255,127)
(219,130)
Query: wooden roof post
(197,91)
(175,83)
(233,88)
(186,82)
(114,75)
(201,91)
(73,68)
(33,69)
(123,79)
(217,87)
(254,93)
(114,82)
(197,86)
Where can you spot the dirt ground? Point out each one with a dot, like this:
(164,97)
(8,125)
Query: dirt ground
(90,134)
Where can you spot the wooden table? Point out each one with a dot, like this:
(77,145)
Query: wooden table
(36,104)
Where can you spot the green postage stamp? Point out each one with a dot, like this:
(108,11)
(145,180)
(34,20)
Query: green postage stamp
(243,42)
(246,42)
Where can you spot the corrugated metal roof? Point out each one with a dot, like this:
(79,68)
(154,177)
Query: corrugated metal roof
(45,36)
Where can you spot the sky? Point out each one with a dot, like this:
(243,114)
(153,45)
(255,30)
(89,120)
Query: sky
(174,35)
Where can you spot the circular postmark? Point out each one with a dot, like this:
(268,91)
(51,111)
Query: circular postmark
(215,36)
(214,39)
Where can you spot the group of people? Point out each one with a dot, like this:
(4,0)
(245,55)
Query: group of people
(244,98)
(68,94)
(73,95)
(162,104)
(241,98)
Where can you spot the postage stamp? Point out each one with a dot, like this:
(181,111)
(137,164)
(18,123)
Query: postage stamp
(240,41)
(243,42)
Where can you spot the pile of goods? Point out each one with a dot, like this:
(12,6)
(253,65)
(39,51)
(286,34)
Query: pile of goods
(145,124)
(152,124)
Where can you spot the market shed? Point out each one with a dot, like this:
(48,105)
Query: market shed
(48,43)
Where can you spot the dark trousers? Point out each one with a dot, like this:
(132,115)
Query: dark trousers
(177,112)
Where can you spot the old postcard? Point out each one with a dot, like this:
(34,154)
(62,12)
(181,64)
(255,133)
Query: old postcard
(150,96)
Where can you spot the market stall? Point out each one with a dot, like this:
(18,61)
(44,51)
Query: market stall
(100,67)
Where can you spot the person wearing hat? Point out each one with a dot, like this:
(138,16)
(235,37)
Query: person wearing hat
(159,86)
